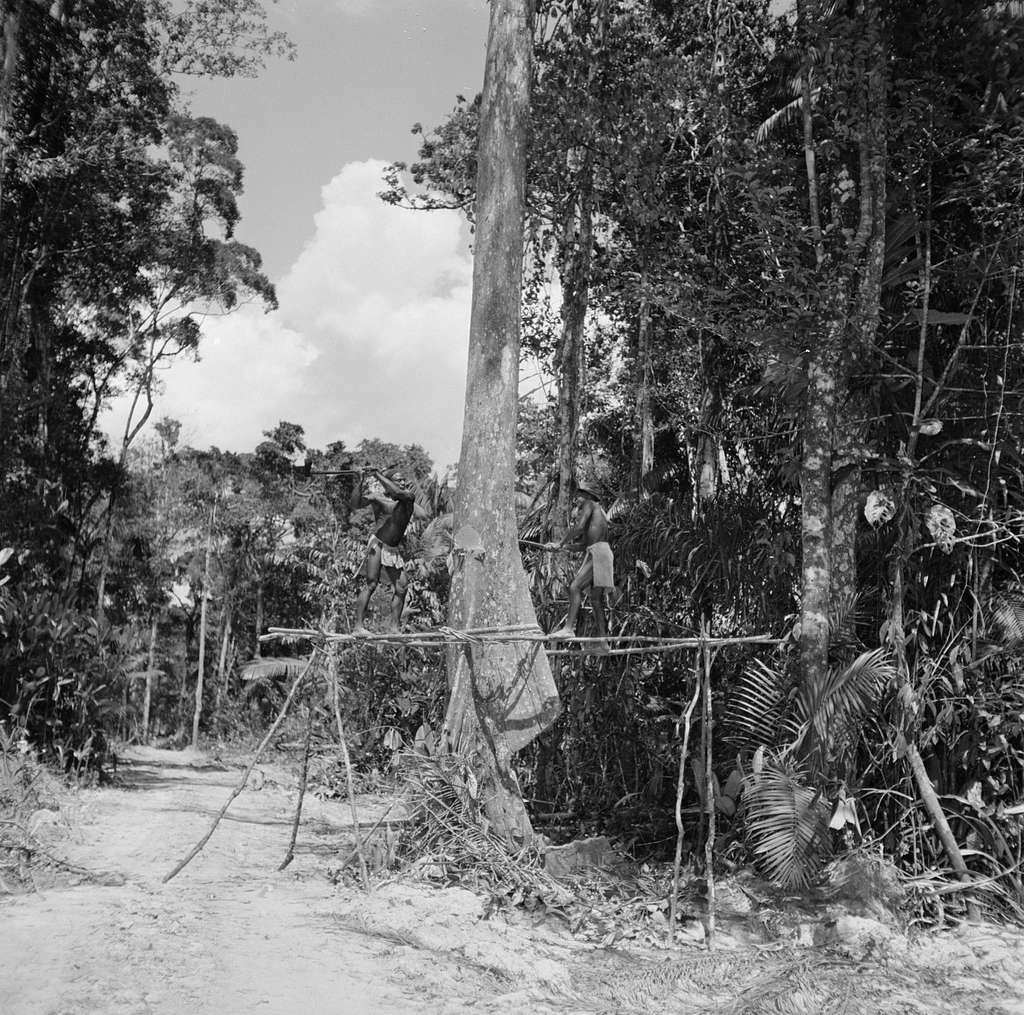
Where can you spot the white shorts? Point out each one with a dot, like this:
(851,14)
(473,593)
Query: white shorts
(604,565)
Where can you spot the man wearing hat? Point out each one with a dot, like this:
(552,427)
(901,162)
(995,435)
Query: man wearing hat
(597,572)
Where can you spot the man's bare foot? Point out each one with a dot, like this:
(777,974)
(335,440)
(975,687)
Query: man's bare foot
(562,632)
(361,631)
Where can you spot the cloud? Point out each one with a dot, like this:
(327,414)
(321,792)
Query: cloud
(370,339)
(359,8)
(355,6)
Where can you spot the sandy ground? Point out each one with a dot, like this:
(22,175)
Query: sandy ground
(229,935)
(232,935)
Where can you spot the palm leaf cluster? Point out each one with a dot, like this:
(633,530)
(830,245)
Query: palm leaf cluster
(787,821)
(803,736)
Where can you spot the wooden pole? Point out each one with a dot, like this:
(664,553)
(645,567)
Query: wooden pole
(686,719)
(333,672)
(302,792)
(709,790)
(252,764)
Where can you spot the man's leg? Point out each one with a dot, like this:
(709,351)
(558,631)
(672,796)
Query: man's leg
(579,584)
(372,568)
(597,594)
(399,588)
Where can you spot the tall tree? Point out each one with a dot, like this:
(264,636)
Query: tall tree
(502,696)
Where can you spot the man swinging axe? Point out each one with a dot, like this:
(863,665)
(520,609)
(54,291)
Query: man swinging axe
(597,572)
(383,552)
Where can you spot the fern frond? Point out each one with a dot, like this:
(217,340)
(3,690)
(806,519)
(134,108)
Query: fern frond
(1008,616)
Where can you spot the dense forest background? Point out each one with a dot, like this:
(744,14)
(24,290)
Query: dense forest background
(785,341)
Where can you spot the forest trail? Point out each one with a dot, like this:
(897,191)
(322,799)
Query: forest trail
(230,935)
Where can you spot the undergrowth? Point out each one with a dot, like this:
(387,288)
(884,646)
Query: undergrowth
(31,808)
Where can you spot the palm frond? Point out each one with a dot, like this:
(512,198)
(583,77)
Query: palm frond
(435,540)
(786,823)
(842,696)
(756,706)
(278,668)
(783,117)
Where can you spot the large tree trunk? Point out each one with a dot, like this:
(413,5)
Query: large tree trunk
(578,243)
(851,428)
(816,500)
(502,696)
(849,313)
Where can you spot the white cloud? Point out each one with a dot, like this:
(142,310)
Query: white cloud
(370,339)
(359,7)
(355,6)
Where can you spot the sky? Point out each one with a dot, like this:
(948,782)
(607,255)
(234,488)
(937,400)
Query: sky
(371,336)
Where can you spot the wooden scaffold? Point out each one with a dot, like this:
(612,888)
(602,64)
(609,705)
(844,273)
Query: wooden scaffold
(704,647)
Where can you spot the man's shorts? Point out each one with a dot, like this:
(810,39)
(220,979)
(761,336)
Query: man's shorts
(604,565)
(390,556)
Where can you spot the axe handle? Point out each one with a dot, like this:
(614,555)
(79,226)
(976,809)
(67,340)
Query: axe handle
(541,546)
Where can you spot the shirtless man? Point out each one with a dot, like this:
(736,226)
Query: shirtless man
(382,550)
(590,534)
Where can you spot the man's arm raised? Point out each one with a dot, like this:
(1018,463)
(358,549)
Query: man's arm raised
(392,488)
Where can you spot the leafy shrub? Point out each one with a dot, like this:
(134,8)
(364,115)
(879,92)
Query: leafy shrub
(55,676)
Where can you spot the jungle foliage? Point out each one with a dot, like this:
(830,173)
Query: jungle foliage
(795,243)
(786,343)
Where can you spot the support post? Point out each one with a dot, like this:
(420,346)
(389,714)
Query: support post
(709,794)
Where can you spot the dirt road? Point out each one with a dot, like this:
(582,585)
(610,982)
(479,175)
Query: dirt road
(232,935)
(229,935)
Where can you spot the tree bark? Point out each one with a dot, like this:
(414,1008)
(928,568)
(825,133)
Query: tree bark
(576,295)
(708,452)
(643,423)
(10,32)
(847,492)
(502,696)
(257,644)
(578,238)
(827,380)
(147,701)
(225,640)
(816,500)
(203,609)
